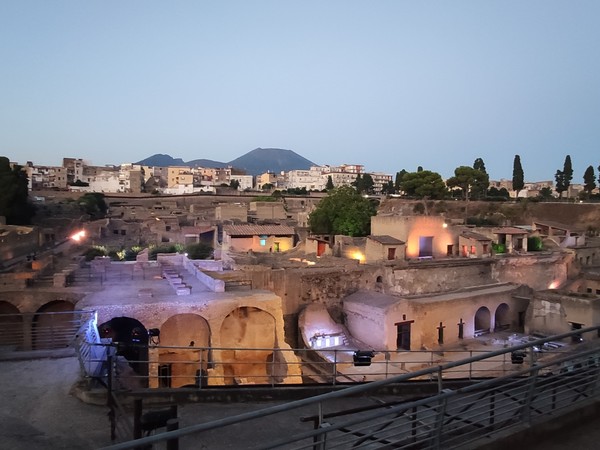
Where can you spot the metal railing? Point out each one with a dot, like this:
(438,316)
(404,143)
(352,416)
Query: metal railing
(539,388)
(42,330)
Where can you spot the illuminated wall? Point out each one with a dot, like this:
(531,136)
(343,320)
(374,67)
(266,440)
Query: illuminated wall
(413,229)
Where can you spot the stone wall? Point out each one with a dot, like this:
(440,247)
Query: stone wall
(438,277)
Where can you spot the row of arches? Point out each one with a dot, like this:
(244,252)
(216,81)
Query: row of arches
(483,319)
(52,326)
(184,355)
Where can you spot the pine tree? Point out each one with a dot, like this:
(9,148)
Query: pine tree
(518,178)
(589,180)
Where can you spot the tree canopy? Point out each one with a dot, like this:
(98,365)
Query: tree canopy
(563,177)
(589,180)
(479,189)
(343,211)
(14,204)
(93,203)
(424,184)
(467,178)
(364,184)
(518,177)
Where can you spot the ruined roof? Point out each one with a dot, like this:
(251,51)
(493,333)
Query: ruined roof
(552,224)
(386,240)
(257,230)
(196,230)
(475,236)
(510,230)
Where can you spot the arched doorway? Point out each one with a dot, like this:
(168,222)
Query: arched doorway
(482,321)
(11,327)
(186,360)
(502,317)
(131,337)
(249,328)
(53,325)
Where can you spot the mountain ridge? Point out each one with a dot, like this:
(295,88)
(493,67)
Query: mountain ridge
(254,162)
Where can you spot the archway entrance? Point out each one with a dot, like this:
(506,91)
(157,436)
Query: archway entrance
(502,317)
(250,328)
(186,361)
(53,326)
(131,337)
(482,321)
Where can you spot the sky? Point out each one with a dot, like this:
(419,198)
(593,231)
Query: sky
(391,84)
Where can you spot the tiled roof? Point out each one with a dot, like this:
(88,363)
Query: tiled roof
(258,230)
(475,236)
(386,240)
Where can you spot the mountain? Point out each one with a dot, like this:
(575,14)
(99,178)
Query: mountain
(261,160)
(255,162)
(160,160)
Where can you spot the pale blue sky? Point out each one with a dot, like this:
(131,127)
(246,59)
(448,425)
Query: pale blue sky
(388,84)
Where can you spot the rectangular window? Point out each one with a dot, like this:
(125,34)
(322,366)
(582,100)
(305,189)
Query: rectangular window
(263,241)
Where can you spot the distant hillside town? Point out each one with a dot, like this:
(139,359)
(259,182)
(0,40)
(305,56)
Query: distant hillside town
(162,174)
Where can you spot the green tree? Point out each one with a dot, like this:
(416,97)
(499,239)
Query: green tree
(424,184)
(388,188)
(329,186)
(368,184)
(560,187)
(14,203)
(398,180)
(545,194)
(467,178)
(479,190)
(234,184)
(343,211)
(93,203)
(518,177)
(589,180)
(567,172)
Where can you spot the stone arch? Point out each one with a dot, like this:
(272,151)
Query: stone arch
(183,356)
(379,279)
(250,328)
(502,317)
(11,326)
(132,338)
(53,325)
(482,321)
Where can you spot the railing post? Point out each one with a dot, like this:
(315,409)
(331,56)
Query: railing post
(137,418)
(439,424)
(334,366)
(172,425)
(109,400)
(532,380)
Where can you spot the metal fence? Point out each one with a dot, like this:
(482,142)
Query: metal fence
(538,388)
(40,331)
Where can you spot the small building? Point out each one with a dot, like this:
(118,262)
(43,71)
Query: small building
(384,248)
(320,245)
(474,245)
(387,322)
(513,239)
(563,235)
(425,236)
(554,312)
(258,238)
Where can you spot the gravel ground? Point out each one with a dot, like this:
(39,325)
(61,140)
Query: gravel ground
(38,411)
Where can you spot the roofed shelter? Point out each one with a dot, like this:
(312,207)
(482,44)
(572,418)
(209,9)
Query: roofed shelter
(258,238)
